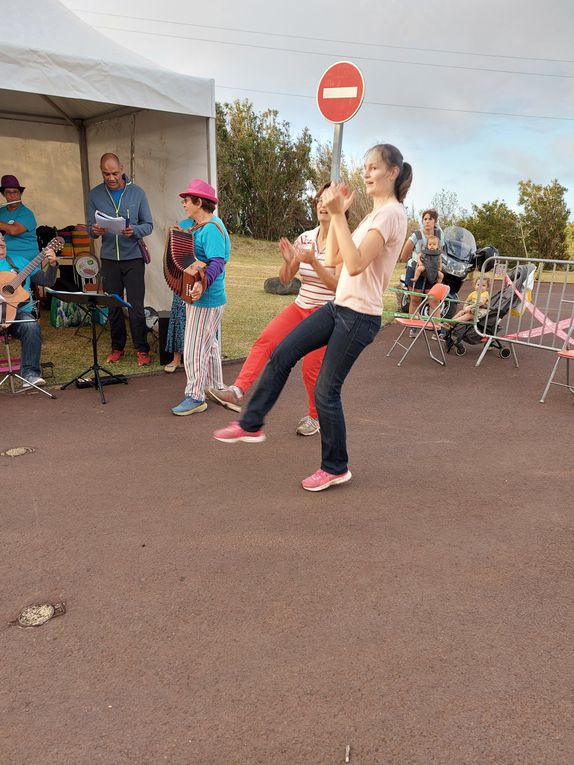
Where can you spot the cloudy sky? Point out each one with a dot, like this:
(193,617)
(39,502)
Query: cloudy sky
(477,95)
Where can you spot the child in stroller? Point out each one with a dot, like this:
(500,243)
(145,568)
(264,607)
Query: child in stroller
(429,263)
(486,325)
(476,303)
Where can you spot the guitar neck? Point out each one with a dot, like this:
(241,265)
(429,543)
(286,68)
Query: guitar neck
(21,277)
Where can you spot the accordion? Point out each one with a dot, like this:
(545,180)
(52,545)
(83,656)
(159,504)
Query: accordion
(180,267)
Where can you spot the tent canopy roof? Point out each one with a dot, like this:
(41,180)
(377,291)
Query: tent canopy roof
(60,68)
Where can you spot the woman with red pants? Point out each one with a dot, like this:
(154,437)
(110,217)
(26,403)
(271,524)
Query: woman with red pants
(318,284)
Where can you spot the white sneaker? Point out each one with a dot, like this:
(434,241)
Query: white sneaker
(413,332)
(308,426)
(39,381)
(230,398)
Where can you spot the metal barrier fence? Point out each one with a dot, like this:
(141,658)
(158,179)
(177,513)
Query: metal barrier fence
(531,303)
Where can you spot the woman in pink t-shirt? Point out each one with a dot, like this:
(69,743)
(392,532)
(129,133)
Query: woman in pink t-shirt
(318,284)
(347,325)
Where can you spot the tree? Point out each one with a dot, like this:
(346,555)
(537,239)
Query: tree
(544,219)
(350,174)
(570,241)
(494,223)
(451,212)
(322,160)
(264,174)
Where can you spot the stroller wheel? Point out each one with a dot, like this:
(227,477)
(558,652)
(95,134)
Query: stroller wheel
(504,353)
(460,349)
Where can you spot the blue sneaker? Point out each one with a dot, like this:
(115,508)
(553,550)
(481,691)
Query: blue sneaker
(189,405)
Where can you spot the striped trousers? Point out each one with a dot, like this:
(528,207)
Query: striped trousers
(201,350)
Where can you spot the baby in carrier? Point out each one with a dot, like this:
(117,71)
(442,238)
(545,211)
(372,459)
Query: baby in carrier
(429,263)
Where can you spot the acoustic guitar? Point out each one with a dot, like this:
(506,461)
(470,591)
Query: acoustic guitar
(12,294)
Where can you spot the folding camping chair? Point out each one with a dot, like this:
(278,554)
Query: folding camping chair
(9,366)
(437,294)
(566,352)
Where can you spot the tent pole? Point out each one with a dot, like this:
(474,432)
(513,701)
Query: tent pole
(212,179)
(84,165)
(211,155)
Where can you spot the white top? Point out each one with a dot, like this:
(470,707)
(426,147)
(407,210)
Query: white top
(364,292)
(313,293)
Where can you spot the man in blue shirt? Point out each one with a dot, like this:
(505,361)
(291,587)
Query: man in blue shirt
(17,222)
(26,328)
(123,267)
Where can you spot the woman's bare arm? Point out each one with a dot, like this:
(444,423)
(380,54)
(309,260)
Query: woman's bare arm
(407,251)
(356,259)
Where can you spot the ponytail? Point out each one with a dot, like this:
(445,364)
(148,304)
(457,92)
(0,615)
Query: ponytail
(403,181)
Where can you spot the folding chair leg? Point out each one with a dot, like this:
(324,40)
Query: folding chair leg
(408,348)
(551,378)
(442,360)
(397,341)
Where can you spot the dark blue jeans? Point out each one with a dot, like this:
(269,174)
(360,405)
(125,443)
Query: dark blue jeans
(346,334)
(29,333)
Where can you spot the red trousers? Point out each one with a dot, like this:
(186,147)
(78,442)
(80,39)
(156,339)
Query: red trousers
(266,343)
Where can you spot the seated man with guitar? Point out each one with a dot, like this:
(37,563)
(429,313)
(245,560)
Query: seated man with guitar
(17,276)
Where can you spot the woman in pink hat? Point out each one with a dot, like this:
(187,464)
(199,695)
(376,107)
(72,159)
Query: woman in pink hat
(201,350)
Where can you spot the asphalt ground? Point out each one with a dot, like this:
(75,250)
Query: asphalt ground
(217,614)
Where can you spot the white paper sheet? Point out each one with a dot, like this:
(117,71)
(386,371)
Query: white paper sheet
(113,225)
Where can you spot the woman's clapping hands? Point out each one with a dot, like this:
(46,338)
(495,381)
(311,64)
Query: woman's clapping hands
(287,250)
(338,198)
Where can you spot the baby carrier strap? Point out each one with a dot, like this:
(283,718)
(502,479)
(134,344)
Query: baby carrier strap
(215,223)
(419,234)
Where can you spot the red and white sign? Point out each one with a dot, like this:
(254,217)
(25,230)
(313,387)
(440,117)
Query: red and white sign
(340,92)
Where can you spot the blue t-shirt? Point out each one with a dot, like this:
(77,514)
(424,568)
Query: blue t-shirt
(25,244)
(116,195)
(210,243)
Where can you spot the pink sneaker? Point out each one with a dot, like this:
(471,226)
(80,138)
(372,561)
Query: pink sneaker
(234,432)
(321,480)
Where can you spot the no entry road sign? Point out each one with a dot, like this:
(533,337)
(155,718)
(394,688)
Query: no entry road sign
(340,92)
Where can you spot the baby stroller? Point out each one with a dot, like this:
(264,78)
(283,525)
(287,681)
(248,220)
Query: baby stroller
(500,305)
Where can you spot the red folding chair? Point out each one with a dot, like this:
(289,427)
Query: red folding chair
(433,303)
(564,353)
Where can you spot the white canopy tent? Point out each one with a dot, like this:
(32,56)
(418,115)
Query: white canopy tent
(68,94)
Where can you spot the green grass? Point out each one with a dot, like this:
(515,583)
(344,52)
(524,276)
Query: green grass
(249,309)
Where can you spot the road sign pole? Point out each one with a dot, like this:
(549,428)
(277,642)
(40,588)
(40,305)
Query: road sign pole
(337,151)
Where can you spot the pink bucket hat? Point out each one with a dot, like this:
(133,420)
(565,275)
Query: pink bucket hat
(199,188)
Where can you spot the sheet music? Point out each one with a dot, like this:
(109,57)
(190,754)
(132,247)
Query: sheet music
(111,224)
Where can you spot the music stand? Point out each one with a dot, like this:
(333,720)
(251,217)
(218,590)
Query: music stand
(90,303)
